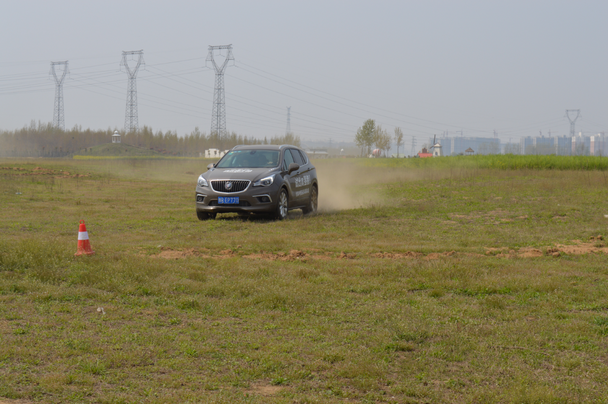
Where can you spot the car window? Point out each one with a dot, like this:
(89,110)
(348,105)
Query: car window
(249,159)
(288,159)
(296,157)
(304,156)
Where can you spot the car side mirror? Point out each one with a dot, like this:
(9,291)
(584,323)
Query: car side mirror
(210,166)
(293,167)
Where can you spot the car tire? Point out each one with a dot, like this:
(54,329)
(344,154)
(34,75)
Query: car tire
(313,201)
(205,215)
(282,205)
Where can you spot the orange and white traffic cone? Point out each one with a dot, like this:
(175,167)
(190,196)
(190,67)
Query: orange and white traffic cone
(84,247)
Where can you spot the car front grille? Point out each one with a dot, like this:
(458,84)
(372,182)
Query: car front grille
(235,185)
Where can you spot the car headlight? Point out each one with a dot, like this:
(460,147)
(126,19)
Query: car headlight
(264,182)
(202,182)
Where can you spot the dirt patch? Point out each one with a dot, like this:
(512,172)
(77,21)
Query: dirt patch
(582,248)
(407,254)
(596,246)
(44,171)
(436,256)
(280,256)
(577,248)
(227,253)
(555,252)
(530,253)
(169,253)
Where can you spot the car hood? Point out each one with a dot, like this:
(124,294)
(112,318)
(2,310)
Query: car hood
(239,173)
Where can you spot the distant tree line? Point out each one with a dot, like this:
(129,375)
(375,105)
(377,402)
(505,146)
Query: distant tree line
(44,140)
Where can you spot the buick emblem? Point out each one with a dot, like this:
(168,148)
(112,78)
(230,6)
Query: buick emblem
(228,186)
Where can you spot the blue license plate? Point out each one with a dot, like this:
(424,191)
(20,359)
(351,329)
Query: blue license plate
(228,200)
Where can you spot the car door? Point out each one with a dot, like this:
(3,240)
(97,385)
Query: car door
(301,178)
(308,173)
(290,178)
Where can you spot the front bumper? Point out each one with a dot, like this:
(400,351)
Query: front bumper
(253,200)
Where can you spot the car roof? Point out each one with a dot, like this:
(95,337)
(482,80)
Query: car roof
(262,147)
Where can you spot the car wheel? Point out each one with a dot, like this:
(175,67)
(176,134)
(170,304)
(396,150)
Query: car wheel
(282,205)
(204,215)
(313,201)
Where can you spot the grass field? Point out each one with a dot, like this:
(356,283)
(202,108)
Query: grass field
(457,280)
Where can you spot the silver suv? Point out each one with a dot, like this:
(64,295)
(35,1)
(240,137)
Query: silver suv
(266,179)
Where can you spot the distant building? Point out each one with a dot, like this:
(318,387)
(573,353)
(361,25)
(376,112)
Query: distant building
(598,145)
(453,146)
(317,153)
(424,153)
(526,145)
(544,145)
(563,146)
(437,150)
(579,145)
(115,137)
(215,153)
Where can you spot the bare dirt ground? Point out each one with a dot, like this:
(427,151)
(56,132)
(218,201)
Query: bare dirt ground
(595,246)
(44,171)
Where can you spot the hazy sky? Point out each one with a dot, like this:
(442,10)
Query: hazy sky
(425,66)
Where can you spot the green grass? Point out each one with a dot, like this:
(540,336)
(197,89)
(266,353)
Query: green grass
(499,162)
(116,150)
(405,297)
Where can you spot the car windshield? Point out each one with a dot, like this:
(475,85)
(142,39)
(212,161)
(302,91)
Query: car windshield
(249,159)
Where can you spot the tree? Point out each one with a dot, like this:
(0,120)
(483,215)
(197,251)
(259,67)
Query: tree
(398,138)
(382,140)
(365,136)
(288,138)
(388,140)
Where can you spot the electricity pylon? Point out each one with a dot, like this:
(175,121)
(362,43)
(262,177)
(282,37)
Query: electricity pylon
(413,145)
(288,130)
(573,120)
(131,119)
(58,119)
(218,113)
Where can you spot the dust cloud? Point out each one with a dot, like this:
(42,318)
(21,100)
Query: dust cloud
(344,184)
